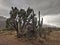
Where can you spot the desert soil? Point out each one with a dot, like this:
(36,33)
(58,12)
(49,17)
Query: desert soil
(9,38)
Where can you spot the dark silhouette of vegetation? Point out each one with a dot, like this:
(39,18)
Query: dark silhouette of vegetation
(25,23)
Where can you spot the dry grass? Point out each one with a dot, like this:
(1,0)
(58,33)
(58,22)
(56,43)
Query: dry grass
(9,38)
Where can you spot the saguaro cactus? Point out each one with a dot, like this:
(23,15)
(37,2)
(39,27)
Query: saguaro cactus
(39,30)
(40,23)
(39,20)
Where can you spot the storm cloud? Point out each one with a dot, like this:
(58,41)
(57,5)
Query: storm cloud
(50,9)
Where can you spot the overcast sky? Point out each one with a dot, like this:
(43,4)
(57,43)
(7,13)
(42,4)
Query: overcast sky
(50,9)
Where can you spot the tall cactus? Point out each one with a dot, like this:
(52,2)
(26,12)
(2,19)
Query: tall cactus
(40,23)
(39,19)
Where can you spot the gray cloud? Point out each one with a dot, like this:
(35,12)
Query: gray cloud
(47,7)
(52,20)
(5,6)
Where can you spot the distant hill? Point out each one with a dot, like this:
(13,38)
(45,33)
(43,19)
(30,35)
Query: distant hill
(2,22)
(50,26)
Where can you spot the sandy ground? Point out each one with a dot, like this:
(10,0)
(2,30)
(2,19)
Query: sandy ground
(10,39)
(54,38)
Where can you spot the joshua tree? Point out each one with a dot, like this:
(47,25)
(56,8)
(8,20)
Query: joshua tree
(12,20)
(20,19)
